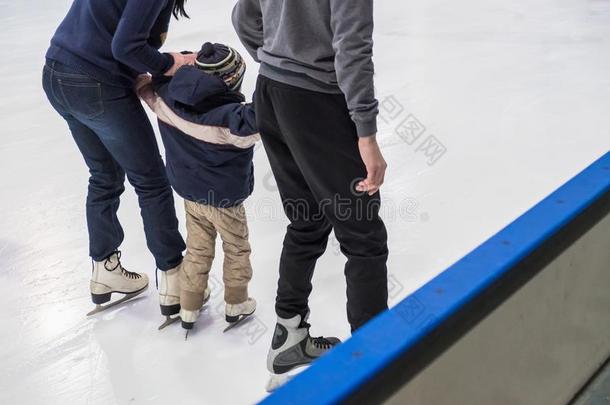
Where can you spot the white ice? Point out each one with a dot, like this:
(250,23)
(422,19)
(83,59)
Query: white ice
(517,92)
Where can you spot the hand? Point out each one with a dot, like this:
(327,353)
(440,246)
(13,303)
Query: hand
(180,60)
(144,89)
(375,165)
(141,81)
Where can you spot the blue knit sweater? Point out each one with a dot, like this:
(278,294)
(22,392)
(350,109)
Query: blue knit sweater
(114,40)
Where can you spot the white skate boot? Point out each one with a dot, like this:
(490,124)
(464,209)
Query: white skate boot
(108,277)
(169,295)
(292,348)
(190,317)
(235,314)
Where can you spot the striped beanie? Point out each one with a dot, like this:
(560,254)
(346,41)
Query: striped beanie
(224,62)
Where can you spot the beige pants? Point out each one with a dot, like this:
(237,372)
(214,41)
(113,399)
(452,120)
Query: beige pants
(203,222)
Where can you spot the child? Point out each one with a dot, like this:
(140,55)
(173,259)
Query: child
(209,134)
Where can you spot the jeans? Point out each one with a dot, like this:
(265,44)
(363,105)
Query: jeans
(312,146)
(116,139)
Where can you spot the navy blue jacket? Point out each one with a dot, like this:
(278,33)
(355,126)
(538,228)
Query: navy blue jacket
(209,135)
(114,40)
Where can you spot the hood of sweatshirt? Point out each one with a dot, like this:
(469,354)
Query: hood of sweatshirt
(197,90)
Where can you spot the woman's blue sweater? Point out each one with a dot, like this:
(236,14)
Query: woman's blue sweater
(114,40)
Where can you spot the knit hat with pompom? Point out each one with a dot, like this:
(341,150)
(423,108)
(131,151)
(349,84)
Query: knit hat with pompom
(222,61)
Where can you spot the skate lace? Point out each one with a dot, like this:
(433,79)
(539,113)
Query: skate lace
(318,342)
(321,343)
(129,274)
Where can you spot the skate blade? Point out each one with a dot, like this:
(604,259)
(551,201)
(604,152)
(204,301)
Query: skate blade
(277,380)
(241,321)
(169,321)
(101,308)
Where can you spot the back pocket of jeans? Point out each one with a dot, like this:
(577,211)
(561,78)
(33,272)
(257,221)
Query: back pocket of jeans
(82,98)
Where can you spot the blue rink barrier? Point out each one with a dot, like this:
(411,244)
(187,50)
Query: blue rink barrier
(398,344)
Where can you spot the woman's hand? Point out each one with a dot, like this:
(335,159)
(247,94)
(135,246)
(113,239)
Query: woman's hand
(375,165)
(181,60)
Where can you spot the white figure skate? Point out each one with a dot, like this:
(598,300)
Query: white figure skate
(190,317)
(169,295)
(109,277)
(237,314)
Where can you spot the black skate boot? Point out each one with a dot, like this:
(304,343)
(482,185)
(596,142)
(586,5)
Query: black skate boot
(293,348)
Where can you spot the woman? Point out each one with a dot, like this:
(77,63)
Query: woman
(94,60)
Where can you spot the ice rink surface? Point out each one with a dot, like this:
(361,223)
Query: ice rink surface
(486,107)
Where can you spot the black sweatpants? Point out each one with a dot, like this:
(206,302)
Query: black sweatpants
(312,146)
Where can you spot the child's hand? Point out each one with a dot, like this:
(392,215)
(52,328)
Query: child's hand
(142,81)
(145,90)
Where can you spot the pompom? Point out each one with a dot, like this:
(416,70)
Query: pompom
(207,50)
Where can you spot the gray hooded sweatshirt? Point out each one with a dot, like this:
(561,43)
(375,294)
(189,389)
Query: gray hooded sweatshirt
(319,45)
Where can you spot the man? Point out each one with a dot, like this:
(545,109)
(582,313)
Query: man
(316,111)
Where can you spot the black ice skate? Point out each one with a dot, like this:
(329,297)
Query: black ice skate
(292,349)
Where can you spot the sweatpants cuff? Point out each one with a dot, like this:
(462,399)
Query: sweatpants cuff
(236,295)
(288,314)
(191,301)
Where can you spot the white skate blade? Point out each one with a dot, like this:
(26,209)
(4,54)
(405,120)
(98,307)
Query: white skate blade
(101,308)
(169,321)
(243,319)
(277,380)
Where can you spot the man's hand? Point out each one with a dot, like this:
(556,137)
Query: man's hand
(180,60)
(375,165)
